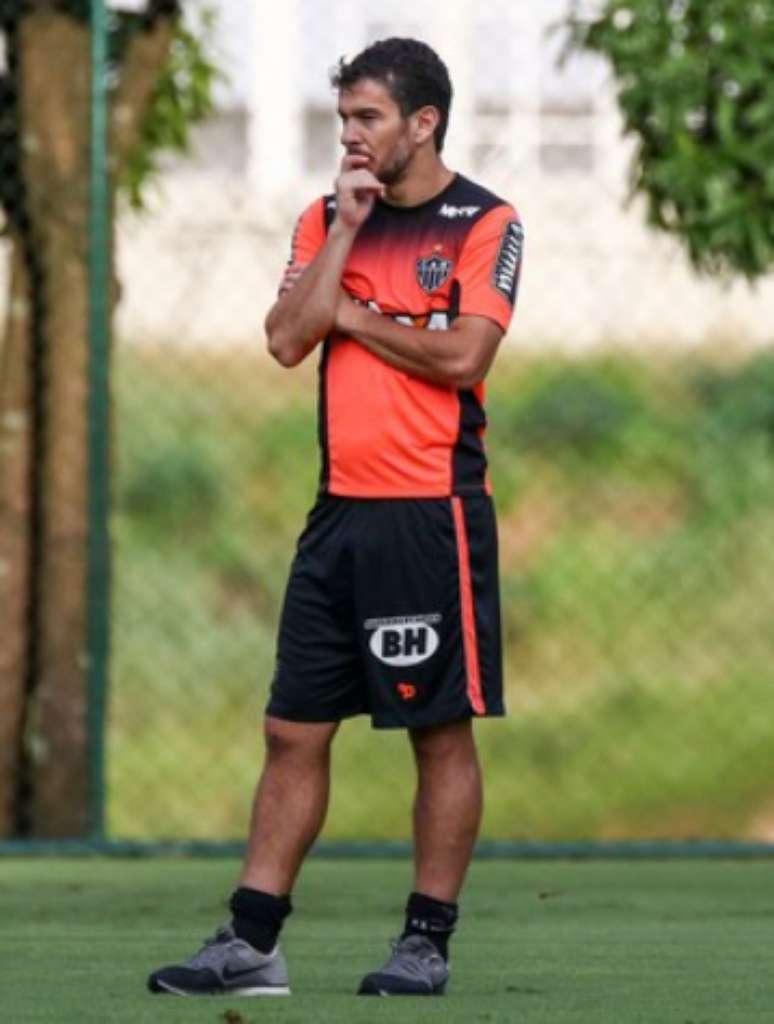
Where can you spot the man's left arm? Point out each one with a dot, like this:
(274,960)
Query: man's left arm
(487,276)
(457,358)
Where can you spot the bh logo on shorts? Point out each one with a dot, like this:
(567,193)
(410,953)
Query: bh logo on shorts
(404,639)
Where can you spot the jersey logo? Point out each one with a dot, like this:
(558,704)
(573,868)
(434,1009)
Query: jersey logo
(452,212)
(433,271)
(505,277)
(436,320)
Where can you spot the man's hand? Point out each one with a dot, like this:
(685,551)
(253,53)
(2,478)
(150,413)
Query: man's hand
(291,276)
(356,191)
(305,310)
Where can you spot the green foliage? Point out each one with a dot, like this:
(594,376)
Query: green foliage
(171,488)
(576,409)
(696,88)
(182,98)
(732,471)
(739,401)
(637,546)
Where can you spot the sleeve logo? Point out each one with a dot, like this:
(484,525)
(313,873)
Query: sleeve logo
(505,277)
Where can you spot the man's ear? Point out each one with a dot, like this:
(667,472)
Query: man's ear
(426,120)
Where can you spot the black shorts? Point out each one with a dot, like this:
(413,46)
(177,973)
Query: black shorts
(392,609)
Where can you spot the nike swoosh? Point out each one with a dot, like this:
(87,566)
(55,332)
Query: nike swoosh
(230,975)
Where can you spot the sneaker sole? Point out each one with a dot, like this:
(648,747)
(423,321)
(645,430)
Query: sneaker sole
(267,990)
(378,987)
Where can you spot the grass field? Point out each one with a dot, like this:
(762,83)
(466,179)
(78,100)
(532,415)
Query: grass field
(681,942)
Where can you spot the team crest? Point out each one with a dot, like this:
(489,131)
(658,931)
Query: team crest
(433,271)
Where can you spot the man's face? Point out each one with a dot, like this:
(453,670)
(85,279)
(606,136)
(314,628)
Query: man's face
(372,125)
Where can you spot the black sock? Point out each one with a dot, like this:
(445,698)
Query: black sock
(258,917)
(433,919)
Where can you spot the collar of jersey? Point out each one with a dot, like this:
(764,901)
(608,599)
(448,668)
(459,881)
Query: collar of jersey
(428,202)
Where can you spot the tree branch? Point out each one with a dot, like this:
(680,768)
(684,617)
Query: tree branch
(161,9)
(146,53)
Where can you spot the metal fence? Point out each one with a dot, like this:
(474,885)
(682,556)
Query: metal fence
(630,436)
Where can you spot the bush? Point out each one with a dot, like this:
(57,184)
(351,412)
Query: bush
(174,488)
(738,402)
(581,409)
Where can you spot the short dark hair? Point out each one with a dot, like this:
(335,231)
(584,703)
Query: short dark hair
(413,73)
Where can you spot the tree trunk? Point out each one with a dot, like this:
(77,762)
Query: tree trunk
(15,508)
(54,102)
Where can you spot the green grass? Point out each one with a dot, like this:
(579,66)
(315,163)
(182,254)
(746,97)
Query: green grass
(636,509)
(684,942)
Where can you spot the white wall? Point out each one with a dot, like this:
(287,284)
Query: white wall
(203,267)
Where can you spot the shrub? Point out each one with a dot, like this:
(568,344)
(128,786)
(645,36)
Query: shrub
(579,409)
(172,488)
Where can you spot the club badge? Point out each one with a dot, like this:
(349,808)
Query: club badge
(433,271)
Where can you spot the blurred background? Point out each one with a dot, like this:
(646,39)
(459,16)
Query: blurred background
(631,418)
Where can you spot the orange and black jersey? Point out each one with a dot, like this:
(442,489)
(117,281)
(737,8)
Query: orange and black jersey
(385,433)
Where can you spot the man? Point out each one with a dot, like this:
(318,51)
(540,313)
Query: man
(408,276)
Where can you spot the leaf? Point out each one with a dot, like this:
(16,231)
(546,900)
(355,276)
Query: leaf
(183,97)
(696,91)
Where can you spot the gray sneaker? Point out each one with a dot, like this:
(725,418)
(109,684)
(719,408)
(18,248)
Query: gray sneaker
(416,968)
(225,965)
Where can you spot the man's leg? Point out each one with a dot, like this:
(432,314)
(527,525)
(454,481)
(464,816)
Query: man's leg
(447,809)
(289,809)
(447,814)
(290,803)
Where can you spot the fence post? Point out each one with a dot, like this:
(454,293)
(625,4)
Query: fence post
(98,580)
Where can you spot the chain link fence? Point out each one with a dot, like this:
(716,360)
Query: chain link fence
(631,419)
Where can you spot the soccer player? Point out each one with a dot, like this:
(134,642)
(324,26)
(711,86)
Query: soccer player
(405,279)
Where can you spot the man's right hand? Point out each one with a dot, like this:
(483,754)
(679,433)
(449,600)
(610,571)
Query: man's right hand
(291,276)
(356,191)
(305,311)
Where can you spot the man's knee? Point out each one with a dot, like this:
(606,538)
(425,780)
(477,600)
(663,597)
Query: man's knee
(442,742)
(297,739)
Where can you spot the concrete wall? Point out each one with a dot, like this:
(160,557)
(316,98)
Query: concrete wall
(201,268)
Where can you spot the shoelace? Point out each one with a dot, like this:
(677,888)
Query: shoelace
(205,954)
(413,960)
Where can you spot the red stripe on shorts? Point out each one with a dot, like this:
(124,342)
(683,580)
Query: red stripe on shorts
(469,636)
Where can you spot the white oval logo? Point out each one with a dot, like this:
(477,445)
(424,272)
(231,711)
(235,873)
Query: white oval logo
(404,643)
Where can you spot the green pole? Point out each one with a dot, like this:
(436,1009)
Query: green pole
(98,578)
